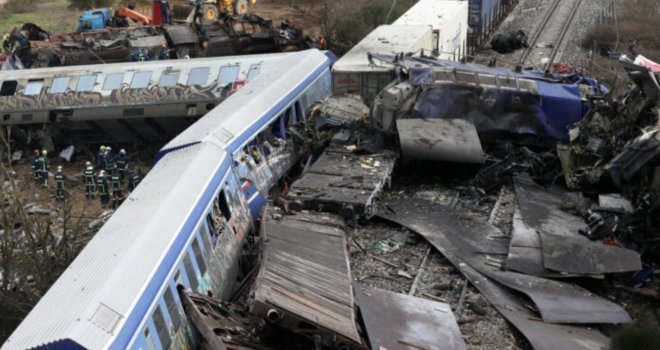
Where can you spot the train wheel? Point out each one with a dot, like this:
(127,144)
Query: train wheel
(210,12)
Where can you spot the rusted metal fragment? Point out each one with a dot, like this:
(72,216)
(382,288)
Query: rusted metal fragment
(560,302)
(525,253)
(471,239)
(463,240)
(564,249)
(541,335)
(221,325)
(305,277)
(398,321)
(344,182)
(447,140)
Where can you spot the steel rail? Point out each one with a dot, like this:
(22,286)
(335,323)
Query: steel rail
(560,40)
(537,34)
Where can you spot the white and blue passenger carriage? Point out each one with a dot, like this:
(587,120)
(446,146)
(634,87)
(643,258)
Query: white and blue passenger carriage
(184,225)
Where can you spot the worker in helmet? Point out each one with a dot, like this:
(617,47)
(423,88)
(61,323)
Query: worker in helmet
(35,166)
(59,184)
(109,159)
(100,158)
(164,52)
(134,179)
(102,188)
(89,180)
(121,161)
(43,168)
(115,185)
(6,44)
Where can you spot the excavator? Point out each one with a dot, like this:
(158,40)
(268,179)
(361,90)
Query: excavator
(212,9)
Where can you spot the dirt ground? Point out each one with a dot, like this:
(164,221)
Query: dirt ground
(278,12)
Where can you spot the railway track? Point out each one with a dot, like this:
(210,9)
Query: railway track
(551,30)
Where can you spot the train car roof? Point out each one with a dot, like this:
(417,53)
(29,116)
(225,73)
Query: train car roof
(286,79)
(113,281)
(433,12)
(128,66)
(388,39)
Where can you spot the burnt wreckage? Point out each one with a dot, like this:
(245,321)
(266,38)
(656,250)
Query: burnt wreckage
(229,35)
(581,167)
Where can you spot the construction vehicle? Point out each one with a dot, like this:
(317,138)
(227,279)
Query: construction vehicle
(95,19)
(212,10)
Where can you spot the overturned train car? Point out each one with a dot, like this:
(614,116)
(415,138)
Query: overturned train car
(500,104)
(122,102)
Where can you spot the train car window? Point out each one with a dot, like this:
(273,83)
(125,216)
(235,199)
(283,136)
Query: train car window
(141,80)
(169,79)
(527,84)
(177,277)
(33,87)
(8,88)
(113,81)
(86,83)
(487,79)
(198,76)
(224,207)
(201,264)
(172,309)
(161,328)
(206,238)
(254,71)
(213,232)
(190,272)
(59,85)
(507,82)
(299,111)
(149,339)
(466,77)
(228,74)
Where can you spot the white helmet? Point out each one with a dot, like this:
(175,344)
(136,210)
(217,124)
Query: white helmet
(87,163)
(102,173)
(59,168)
(108,149)
(122,151)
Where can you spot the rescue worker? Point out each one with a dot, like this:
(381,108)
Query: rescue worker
(43,168)
(35,166)
(89,181)
(100,158)
(109,159)
(59,182)
(102,188)
(121,161)
(164,53)
(115,185)
(134,179)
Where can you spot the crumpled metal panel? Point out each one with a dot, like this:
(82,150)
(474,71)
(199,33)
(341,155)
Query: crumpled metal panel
(448,140)
(397,321)
(463,240)
(564,249)
(635,156)
(181,35)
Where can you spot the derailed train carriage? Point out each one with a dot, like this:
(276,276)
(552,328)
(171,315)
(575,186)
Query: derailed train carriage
(122,102)
(185,225)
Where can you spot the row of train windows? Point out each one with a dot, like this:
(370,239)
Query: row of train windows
(200,253)
(140,80)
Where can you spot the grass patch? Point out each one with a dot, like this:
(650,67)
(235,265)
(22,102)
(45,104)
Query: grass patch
(636,337)
(54,16)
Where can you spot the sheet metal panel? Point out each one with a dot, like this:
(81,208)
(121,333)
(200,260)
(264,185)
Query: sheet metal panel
(396,321)
(447,140)
(564,249)
(305,271)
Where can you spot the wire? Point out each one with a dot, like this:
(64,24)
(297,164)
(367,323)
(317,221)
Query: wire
(390,13)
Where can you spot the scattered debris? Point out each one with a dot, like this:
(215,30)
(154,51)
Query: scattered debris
(510,42)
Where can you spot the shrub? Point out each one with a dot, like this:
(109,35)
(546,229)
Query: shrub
(18,6)
(90,4)
(636,337)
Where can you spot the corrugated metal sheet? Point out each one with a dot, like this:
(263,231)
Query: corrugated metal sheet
(253,100)
(94,296)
